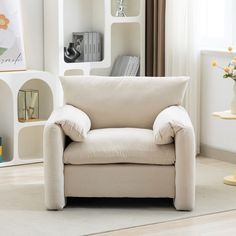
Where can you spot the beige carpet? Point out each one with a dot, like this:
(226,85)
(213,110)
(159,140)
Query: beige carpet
(22,209)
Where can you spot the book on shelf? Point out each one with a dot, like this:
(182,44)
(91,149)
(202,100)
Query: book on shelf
(135,67)
(78,40)
(89,45)
(94,46)
(116,66)
(99,47)
(86,47)
(126,66)
(123,64)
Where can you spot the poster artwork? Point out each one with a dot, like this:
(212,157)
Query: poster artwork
(11,42)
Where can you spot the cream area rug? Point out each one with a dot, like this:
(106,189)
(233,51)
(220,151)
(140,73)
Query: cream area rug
(22,210)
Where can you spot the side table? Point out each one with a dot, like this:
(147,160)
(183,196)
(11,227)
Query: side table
(227,115)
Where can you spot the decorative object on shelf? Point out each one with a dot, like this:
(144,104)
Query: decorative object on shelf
(229,72)
(70,53)
(28,105)
(86,47)
(120,12)
(126,66)
(1,153)
(11,41)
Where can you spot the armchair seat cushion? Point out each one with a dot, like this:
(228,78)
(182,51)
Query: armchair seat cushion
(119,145)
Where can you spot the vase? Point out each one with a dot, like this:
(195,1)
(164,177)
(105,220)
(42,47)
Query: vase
(233,103)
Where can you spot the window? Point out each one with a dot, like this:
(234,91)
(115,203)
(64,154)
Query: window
(217,23)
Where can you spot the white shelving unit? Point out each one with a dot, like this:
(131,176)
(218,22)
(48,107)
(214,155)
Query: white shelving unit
(121,35)
(22,142)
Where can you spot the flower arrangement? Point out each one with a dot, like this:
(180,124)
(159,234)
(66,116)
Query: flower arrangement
(230,70)
(4,22)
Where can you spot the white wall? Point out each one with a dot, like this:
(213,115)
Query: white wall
(32,16)
(216,95)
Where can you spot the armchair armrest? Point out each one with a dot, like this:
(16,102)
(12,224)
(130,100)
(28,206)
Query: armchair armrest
(169,122)
(174,124)
(66,120)
(74,122)
(53,149)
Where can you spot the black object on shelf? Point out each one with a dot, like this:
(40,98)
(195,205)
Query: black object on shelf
(70,53)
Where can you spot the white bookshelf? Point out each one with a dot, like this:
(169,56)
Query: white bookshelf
(22,142)
(121,35)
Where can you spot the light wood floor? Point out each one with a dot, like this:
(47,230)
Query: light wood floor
(221,224)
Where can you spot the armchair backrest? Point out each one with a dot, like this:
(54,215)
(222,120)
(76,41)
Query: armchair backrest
(114,102)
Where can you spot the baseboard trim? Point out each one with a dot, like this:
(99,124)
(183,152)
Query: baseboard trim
(218,154)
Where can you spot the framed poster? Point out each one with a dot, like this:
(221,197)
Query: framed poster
(11,41)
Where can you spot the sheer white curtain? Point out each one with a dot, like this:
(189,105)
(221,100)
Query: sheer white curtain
(183,32)
(192,25)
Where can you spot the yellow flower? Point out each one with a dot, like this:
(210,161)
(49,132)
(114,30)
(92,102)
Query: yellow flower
(234,58)
(230,49)
(4,22)
(214,63)
(233,63)
(227,69)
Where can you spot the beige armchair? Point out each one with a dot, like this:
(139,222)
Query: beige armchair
(133,140)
